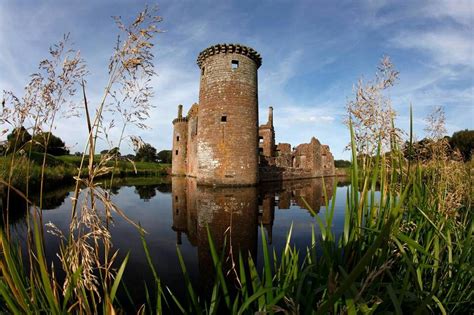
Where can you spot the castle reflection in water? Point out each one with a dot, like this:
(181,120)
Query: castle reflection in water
(234,214)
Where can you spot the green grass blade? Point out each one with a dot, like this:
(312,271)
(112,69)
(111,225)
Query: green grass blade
(159,293)
(187,282)
(218,266)
(257,295)
(176,301)
(44,274)
(268,283)
(118,279)
(5,293)
(395,301)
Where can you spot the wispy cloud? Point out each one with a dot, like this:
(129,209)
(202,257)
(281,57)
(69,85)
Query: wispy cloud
(445,46)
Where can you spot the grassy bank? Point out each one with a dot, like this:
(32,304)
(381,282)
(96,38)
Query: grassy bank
(62,169)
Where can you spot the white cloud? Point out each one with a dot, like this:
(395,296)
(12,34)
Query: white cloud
(446,47)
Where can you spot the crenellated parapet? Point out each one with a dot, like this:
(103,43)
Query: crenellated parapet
(230,48)
(182,119)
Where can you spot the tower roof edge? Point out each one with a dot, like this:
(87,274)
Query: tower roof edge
(229,48)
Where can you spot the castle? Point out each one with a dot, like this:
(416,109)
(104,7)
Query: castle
(219,141)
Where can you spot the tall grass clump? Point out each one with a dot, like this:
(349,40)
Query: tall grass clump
(88,277)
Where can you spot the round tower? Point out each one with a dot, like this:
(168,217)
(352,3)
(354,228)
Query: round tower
(227,142)
(180,137)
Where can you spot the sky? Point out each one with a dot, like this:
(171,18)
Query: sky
(313,53)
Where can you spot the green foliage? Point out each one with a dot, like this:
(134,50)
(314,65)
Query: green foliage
(115,151)
(17,139)
(342,163)
(55,146)
(146,153)
(463,141)
(20,139)
(164,156)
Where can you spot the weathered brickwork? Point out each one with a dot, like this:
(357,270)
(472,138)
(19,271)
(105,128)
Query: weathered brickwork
(192,140)
(220,143)
(228,116)
(327,161)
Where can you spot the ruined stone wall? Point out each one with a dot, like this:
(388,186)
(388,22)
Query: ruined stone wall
(180,137)
(308,160)
(284,156)
(283,148)
(193,130)
(316,150)
(328,167)
(227,142)
(307,156)
(266,136)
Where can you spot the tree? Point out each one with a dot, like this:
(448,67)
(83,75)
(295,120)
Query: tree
(164,156)
(146,153)
(115,151)
(463,140)
(55,146)
(342,163)
(17,139)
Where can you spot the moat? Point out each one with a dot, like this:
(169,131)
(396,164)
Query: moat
(176,212)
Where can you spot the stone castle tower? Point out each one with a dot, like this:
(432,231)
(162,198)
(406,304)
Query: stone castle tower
(227,141)
(219,141)
(180,139)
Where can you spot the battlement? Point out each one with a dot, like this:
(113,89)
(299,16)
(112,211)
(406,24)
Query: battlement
(182,119)
(229,48)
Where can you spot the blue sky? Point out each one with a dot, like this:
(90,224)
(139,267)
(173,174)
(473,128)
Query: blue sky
(313,53)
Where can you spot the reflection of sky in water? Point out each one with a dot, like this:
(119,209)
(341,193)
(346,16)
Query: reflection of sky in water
(155,211)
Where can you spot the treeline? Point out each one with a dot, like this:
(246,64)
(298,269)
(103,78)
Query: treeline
(46,142)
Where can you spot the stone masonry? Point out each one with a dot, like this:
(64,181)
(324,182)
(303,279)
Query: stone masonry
(219,141)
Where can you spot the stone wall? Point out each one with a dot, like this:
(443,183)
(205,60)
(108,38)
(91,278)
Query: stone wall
(266,137)
(307,160)
(193,129)
(328,167)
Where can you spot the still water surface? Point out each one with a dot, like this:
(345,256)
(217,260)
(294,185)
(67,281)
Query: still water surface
(177,212)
